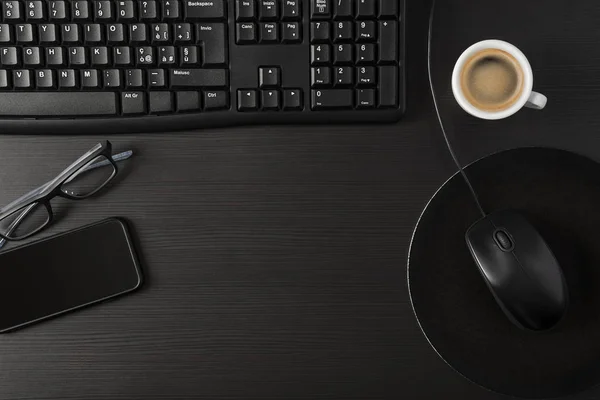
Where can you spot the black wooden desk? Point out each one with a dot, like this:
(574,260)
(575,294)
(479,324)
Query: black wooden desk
(275,257)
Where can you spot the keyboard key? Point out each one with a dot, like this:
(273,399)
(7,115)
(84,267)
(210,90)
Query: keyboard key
(67,79)
(170,10)
(57,104)
(344,76)
(137,33)
(388,41)
(99,56)
(112,78)
(46,33)
(183,32)
(366,8)
(322,99)
(160,102)
(292,99)
(102,10)
(270,100)
(365,53)
(365,98)
(31,56)
(343,31)
(366,76)
(134,78)
(80,10)
(388,86)
(122,55)
(133,103)
(343,54)
(320,76)
(24,33)
(70,33)
(247,100)
(144,55)
(4,79)
(126,10)
(214,9)
(35,10)
(291,32)
(245,33)
(21,79)
(166,55)
(215,100)
(320,53)
(55,56)
(58,10)
(214,46)
(186,78)
(148,10)
(89,78)
(5,33)
(269,32)
(189,55)
(291,10)
(44,79)
(268,77)
(115,34)
(366,31)
(77,56)
(320,9)
(245,10)
(11,10)
(188,101)
(319,31)
(156,78)
(268,10)
(9,56)
(92,33)
(343,9)
(160,33)
(388,8)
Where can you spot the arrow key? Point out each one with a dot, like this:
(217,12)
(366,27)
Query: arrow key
(292,99)
(269,77)
(247,100)
(270,100)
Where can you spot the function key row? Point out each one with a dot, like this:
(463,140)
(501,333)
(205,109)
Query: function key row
(349,9)
(268,10)
(111,10)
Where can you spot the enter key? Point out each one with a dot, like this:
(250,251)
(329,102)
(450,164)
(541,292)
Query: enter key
(214,46)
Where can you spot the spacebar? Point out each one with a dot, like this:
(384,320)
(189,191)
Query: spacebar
(57,104)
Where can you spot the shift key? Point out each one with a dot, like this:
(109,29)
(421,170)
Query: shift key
(204,9)
(191,78)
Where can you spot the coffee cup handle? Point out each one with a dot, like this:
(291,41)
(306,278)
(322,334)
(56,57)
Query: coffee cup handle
(537,101)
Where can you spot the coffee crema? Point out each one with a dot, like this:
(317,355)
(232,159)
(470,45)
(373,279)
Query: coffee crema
(492,80)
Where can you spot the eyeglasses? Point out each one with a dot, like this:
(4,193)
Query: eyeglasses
(32,212)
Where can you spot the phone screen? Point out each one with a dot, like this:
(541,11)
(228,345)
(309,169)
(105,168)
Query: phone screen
(66,272)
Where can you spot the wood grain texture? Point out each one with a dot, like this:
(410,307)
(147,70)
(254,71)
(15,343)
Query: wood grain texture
(275,257)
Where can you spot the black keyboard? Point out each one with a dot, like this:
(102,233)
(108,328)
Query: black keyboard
(144,65)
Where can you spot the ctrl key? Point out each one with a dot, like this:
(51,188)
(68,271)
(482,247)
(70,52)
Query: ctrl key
(133,103)
(215,100)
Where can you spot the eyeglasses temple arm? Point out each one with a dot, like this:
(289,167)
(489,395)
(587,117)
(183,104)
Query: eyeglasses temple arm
(13,225)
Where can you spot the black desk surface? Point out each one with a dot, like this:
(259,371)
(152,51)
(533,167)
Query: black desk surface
(275,256)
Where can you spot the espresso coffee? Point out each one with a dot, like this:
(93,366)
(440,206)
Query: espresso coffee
(492,80)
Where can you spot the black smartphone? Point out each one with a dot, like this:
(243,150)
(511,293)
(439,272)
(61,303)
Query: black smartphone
(65,272)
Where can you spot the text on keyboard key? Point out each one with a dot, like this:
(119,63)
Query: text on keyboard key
(205,9)
(331,98)
(188,78)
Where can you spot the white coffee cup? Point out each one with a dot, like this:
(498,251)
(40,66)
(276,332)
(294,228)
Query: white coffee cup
(527,98)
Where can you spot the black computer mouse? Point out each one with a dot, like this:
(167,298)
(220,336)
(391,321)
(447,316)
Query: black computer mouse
(520,270)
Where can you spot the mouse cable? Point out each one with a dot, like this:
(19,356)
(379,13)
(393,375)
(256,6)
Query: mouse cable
(439,116)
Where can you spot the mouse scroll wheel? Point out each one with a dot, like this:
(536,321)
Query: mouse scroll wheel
(503,240)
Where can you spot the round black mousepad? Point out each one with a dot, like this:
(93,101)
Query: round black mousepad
(559,192)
